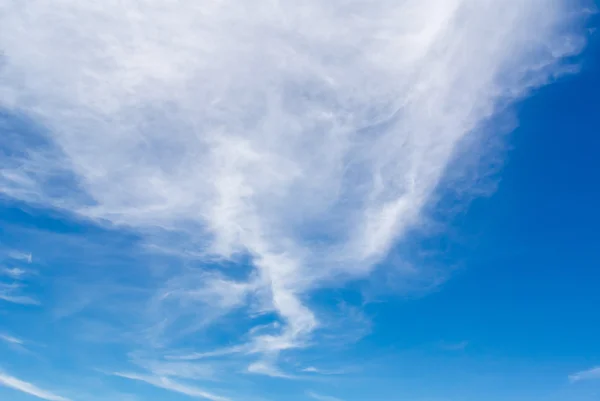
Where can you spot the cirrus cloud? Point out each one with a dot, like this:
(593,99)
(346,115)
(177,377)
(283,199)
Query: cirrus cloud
(307,135)
(28,388)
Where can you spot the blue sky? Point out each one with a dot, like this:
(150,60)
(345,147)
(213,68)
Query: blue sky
(381,201)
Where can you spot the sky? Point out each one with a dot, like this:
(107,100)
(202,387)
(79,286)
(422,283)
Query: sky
(333,201)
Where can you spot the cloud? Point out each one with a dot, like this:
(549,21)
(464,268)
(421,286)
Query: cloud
(267,368)
(16,344)
(12,293)
(11,339)
(312,369)
(14,273)
(210,354)
(171,385)
(308,136)
(194,300)
(178,369)
(590,374)
(19,299)
(19,255)
(320,397)
(28,388)
(458,346)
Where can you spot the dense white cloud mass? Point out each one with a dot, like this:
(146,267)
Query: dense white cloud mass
(308,134)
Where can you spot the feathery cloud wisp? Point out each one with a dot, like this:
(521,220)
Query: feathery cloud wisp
(17,299)
(10,339)
(171,385)
(28,388)
(590,374)
(320,397)
(14,273)
(307,135)
(19,255)
(12,293)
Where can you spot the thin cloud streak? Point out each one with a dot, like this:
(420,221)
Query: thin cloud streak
(267,368)
(28,388)
(14,273)
(590,374)
(11,339)
(459,346)
(19,299)
(309,135)
(171,385)
(320,397)
(327,372)
(19,255)
(12,293)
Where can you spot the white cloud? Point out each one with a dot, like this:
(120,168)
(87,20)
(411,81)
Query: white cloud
(19,299)
(267,368)
(309,135)
(177,369)
(194,300)
(28,388)
(312,369)
(458,346)
(590,374)
(15,343)
(320,397)
(12,293)
(14,273)
(168,384)
(19,255)
(210,354)
(11,339)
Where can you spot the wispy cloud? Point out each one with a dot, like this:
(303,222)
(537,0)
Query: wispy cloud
(11,290)
(267,368)
(171,385)
(19,299)
(28,388)
(327,372)
(590,374)
(12,293)
(14,273)
(308,136)
(11,340)
(16,344)
(210,354)
(19,255)
(176,369)
(320,397)
(457,346)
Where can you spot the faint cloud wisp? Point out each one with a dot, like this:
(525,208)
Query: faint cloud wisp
(590,374)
